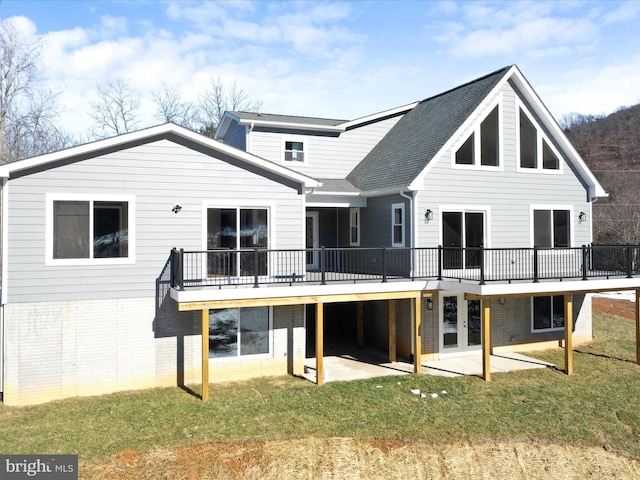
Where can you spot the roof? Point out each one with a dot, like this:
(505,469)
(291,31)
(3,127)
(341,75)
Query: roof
(270,117)
(415,140)
(139,137)
(336,185)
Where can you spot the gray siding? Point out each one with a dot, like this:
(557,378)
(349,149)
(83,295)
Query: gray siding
(325,156)
(507,193)
(236,136)
(158,175)
(375,229)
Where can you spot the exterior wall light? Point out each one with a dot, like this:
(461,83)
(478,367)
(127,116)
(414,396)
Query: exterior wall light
(582,217)
(428,215)
(429,304)
(176,208)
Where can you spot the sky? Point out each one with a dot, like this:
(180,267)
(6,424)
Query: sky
(334,59)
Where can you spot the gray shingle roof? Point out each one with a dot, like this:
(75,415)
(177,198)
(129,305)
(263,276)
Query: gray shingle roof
(270,117)
(412,143)
(336,185)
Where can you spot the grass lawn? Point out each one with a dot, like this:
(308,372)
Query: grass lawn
(597,406)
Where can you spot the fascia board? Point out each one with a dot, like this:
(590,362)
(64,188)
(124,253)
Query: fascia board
(294,126)
(376,116)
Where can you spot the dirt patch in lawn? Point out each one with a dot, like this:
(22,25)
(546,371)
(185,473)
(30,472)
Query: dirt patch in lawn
(614,306)
(347,458)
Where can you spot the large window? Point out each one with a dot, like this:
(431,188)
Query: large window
(551,228)
(535,150)
(293,151)
(238,332)
(233,233)
(548,313)
(397,224)
(90,229)
(482,147)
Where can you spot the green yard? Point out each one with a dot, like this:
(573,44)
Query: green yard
(597,406)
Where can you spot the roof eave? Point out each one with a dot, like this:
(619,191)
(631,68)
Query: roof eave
(293,126)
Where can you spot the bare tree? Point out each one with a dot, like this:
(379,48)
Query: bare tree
(171,108)
(116,109)
(35,131)
(219,98)
(19,57)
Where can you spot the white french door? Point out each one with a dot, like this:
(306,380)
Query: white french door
(460,324)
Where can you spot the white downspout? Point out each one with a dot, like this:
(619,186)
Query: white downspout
(413,260)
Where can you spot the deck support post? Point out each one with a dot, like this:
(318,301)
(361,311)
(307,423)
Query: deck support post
(205,354)
(637,326)
(319,343)
(486,340)
(568,330)
(360,324)
(392,330)
(417,338)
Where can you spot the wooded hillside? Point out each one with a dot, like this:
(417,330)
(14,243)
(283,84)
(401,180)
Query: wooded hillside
(610,145)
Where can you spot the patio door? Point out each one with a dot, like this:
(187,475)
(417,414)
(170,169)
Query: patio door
(312,241)
(462,232)
(460,325)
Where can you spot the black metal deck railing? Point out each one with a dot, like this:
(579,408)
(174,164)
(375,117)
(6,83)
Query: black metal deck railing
(255,267)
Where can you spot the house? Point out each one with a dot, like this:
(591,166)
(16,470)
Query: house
(461,223)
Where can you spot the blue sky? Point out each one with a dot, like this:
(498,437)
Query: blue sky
(336,59)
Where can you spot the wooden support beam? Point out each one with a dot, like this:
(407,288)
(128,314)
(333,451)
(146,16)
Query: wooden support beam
(360,324)
(319,343)
(417,338)
(638,327)
(568,333)
(392,331)
(205,355)
(486,340)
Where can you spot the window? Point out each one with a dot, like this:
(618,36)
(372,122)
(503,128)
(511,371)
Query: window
(354,227)
(229,232)
(294,151)
(531,144)
(483,145)
(239,332)
(551,228)
(397,224)
(89,229)
(548,313)
(462,237)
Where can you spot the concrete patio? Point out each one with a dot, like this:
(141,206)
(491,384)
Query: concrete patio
(370,363)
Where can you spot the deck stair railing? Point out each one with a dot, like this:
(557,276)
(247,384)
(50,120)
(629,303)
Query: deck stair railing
(259,266)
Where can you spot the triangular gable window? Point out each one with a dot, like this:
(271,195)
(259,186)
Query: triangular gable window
(483,145)
(532,143)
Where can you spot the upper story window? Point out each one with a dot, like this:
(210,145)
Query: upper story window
(535,151)
(83,230)
(482,147)
(551,228)
(397,225)
(354,227)
(293,151)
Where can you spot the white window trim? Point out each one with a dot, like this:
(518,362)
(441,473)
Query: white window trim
(351,226)
(543,330)
(271,220)
(245,358)
(551,208)
(50,198)
(540,135)
(403,223)
(305,148)
(476,141)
